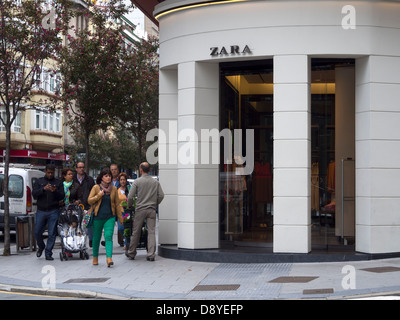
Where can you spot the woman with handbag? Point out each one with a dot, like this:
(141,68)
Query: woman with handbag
(105,205)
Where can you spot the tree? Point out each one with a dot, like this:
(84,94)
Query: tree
(26,42)
(140,111)
(90,65)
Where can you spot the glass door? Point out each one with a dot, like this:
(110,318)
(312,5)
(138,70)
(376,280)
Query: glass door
(246,201)
(332,154)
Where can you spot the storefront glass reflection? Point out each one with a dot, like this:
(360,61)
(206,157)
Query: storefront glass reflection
(246,201)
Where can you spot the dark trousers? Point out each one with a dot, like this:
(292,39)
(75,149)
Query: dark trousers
(50,219)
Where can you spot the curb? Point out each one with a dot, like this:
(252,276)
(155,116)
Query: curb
(62,293)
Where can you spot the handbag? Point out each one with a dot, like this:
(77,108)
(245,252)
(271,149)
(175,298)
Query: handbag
(87,218)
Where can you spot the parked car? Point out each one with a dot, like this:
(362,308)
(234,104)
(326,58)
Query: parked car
(22,177)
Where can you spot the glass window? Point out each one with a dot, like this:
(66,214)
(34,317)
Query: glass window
(58,126)
(3,116)
(44,120)
(52,84)
(246,201)
(46,81)
(15,186)
(17,123)
(51,122)
(33,181)
(330,115)
(37,120)
(16,126)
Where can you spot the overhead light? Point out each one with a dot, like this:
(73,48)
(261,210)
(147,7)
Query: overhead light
(190,6)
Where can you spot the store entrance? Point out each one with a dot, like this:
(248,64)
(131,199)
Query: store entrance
(333,154)
(246,201)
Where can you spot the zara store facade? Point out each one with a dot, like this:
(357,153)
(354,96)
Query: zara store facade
(313,90)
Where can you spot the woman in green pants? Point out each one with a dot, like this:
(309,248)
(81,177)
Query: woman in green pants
(104,200)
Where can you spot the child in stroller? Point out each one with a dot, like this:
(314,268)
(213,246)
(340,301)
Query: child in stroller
(72,232)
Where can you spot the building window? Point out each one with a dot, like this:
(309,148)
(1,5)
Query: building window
(48,80)
(16,126)
(58,127)
(17,123)
(44,116)
(48,121)
(3,116)
(51,126)
(37,120)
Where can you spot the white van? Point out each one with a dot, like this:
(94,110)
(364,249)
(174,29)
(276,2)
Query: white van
(22,178)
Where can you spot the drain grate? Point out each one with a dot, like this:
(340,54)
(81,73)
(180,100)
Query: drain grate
(382,269)
(318,291)
(87,280)
(217,287)
(293,279)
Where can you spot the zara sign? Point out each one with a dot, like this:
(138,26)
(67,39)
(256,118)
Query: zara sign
(232,50)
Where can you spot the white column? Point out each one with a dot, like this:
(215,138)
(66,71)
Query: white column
(377,154)
(292,177)
(168,167)
(198,109)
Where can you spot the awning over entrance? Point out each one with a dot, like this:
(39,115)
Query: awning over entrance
(36,154)
(147,7)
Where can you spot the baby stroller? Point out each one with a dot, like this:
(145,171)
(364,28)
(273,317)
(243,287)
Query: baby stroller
(72,232)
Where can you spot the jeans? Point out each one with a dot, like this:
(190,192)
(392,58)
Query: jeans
(50,219)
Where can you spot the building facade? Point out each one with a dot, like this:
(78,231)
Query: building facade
(37,135)
(310,92)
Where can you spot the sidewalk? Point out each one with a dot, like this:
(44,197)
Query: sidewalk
(187,280)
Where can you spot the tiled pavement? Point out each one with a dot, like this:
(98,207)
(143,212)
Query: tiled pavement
(179,279)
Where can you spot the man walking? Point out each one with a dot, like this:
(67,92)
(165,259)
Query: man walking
(115,173)
(48,191)
(149,195)
(86,184)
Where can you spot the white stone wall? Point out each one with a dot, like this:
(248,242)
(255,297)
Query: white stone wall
(290,32)
(292,153)
(378,154)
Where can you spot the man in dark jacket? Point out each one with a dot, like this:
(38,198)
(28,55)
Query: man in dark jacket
(86,184)
(48,191)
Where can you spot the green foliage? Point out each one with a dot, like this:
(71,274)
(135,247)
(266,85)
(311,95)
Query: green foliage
(140,107)
(25,44)
(90,65)
(110,85)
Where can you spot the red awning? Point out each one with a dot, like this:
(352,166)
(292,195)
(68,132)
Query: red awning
(36,154)
(147,7)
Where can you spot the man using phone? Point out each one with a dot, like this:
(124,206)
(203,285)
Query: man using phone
(48,191)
